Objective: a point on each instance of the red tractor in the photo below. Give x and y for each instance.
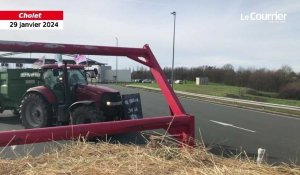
(65, 97)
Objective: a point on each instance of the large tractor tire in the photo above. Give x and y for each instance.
(35, 111)
(86, 114)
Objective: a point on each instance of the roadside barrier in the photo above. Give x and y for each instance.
(278, 108)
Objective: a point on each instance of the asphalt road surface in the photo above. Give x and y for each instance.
(226, 130)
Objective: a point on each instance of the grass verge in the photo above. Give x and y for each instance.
(221, 90)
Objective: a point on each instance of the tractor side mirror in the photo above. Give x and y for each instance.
(55, 72)
(96, 71)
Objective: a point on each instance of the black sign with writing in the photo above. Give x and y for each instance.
(132, 106)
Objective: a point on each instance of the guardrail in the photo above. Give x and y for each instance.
(277, 108)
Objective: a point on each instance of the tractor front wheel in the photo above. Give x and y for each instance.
(86, 114)
(35, 111)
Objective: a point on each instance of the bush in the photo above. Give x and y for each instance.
(291, 91)
(263, 80)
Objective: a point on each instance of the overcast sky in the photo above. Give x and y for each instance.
(207, 32)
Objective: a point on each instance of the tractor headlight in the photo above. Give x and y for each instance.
(109, 103)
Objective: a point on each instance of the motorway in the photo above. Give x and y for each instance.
(226, 130)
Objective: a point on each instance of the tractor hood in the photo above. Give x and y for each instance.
(98, 89)
(95, 93)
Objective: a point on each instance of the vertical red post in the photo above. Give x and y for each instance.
(183, 133)
(165, 87)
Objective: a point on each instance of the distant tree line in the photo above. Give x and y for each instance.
(284, 80)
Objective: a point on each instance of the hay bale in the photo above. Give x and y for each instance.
(106, 158)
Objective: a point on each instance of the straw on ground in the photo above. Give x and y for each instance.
(154, 158)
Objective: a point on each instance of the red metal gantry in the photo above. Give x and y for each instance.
(179, 124)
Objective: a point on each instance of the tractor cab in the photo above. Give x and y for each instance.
(55, 79)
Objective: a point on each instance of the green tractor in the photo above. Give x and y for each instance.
(57, 95)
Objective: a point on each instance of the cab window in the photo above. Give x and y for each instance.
(51, 80)
(76, 77)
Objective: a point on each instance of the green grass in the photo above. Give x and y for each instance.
(222, 90)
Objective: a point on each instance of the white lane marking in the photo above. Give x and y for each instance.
(231, 125)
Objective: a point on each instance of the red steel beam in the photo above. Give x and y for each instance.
(29, 136)
(165, 87)
(34, 47)
(180, 124)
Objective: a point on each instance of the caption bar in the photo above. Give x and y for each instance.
(31, 20)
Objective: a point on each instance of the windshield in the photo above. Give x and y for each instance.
(76, 77)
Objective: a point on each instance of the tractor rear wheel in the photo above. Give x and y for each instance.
(86, 114)
(35, 112)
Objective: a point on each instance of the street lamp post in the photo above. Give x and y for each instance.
(172, 73)
(117, 43)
